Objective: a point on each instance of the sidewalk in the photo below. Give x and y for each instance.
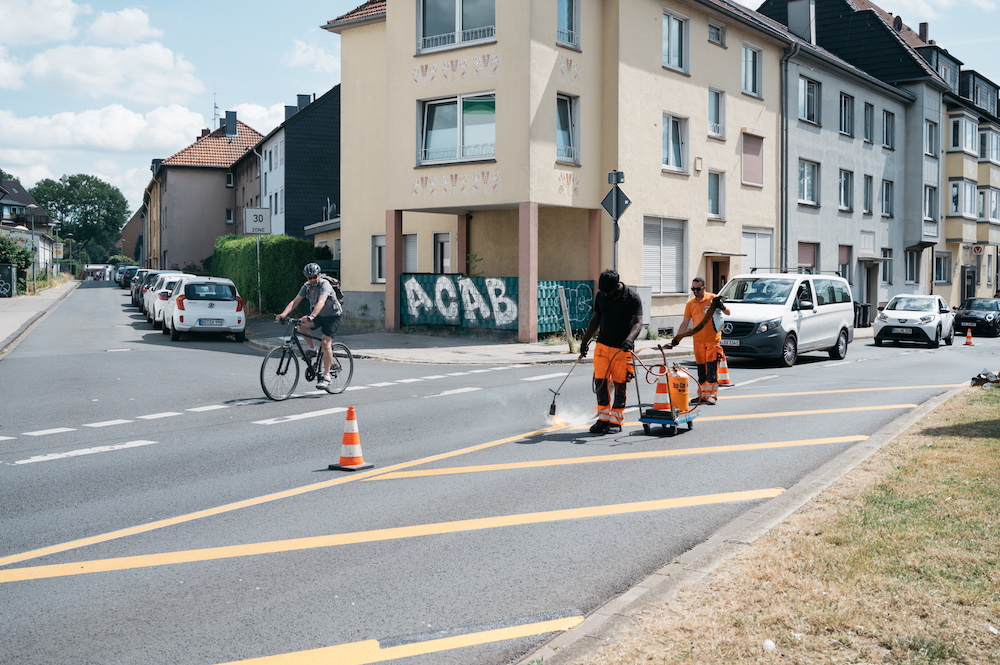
(19, 312)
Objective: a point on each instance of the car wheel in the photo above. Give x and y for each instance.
(163, 328)
(175, 335)
(878, 341)
(936, 342)
(241, 336)
(839, 350)
(789, 351)
(950, 339)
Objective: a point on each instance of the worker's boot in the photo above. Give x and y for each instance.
(600, 427)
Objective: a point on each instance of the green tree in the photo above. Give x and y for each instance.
(14, 253)
(8, 176)
(86, 206)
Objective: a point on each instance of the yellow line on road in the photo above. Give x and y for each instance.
(614, 458)
(369, 651)
(377, 535)
(844, 390)
(813, 412)
(142, 528)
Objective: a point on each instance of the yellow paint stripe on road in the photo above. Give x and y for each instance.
(614, 458)
(813, 412)
(369, 651)
(844, 390)
(394, 533)
(143, 528)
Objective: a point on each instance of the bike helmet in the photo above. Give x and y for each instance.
(311, 269)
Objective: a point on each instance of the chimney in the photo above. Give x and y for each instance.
(155, 165)
(802, 19)
(290, 111)
(303, 101)
(923, 32)
(230, 123)
(204, 133)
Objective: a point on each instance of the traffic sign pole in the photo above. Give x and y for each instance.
(615, 204)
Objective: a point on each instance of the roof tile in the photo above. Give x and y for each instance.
(216, 149)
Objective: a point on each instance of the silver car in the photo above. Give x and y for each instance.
(915, 318)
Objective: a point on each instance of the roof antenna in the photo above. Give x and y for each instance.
(215, 110)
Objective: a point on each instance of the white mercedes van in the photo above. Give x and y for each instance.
(780, 315)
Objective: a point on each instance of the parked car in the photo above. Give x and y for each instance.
(915, 318)
(137, 278)
(148, 282)
(153, 303)
(126, 279)
(119, 271)
(204, 304)
(780, 315)
(980, 315)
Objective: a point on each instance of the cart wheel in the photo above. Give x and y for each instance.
(645, 428)
(673, 430)
(690, 425)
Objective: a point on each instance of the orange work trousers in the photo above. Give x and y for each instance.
(612, 363)
(706, 355)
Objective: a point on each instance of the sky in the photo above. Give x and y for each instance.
(105, 87)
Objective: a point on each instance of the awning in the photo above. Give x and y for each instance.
(920, 246)
(709, 252)
(874, 259)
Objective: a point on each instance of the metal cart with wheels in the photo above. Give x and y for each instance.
(670, 419)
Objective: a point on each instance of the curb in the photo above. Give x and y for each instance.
(13, 339)
(606, 623)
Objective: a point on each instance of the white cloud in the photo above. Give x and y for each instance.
(10, 72)
(315, 58)
(127, 26)
(261, 118)
(39, 21)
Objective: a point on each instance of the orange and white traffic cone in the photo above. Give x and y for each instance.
(723, 372)
(661, 402)
(968, 337)
(350, 449)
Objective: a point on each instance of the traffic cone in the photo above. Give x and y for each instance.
(968, 337)
(723, 370)
(661, 402)
(350, 449)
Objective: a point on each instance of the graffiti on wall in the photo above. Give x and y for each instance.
(457, 300)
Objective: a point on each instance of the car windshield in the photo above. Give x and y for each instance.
(912, 304)
(980, 305)
(209, 292)
(760, 290)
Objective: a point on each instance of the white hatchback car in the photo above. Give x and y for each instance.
(204, 304)
(915, 318)
(157, 297)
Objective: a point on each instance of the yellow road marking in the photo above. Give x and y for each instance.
(394, 533)
(844, 390)
(614, 458)
(142, 528)
(369, 651)
(813, 412)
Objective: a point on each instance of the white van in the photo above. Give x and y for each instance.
(779, 315)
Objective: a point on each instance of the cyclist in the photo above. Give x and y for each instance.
(325, 313)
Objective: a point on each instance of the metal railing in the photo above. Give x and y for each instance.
(452, 152)
(567, 36)
(715, 128)
(450, 38)
(568, 152)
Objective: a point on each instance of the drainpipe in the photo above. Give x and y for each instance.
(783, 207)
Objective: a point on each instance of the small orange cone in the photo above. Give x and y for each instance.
(723, 370)
(661, 402)
(968, 337)
(350, 449)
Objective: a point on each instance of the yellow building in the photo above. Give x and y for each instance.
(481, 141)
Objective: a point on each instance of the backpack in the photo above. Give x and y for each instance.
(335, 283)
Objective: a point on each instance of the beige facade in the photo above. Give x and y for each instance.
(528, 205)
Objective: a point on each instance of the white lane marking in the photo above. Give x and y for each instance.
(56, 430)
(357, 387)
(108, 423)
(84, 451)
(434, 376)
(544, 376)
(117, 350)
(165, 414)
(7, 438)
(300, 416)
(383, 384)
(458, 374)
(211, 407)
(478, 371)
(760, 378)
(408, 380)
(457, 391)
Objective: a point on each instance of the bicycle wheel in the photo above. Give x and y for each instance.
(279, 373)
(341, 370)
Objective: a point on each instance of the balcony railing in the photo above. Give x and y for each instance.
(715, 129)
(451, 38)
(567, 36)
(568, 153)
(480, 150)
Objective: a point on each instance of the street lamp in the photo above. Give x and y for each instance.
(34, 284)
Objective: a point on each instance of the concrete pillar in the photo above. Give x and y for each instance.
(393, 266)
(461, 244)
(594, 246)
(527, 273)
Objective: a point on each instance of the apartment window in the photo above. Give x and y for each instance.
(930, 139)
(886, 272)
(378, 259)
(846, 114)
(963, 199)
(270, 160)
(887, 201)
(281, 200)
(675, 39)
(982, 198)
(410, 253)
(716, 113)
(989, 146)
(930, 204)
(912, 260)
(963, 135)
(459, 128)
(869, 128)
(229, 215)
(944, 69)
(844, 262)
(229, 179)
(808, 182)
(674, 143)
(942, 268)
(846, 201)
(868, 196)
(888, 130)
(566, 130)
(752, 71)
(808, 251)
(809, 100)
(445, 23)
(442, 253)
(567, 16)
(716, 195)
(336, 249)
(663, 255)
(753, 160)
(716, 33)
(994, 206)
(281, 151)
(756, 250)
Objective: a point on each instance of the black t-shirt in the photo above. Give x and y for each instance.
(616, 316)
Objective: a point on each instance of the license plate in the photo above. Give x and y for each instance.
(730, 342)
(209, 322)
(902, 331)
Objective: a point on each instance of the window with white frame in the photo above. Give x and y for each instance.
(912, 260)
(944, 69)
(888, 130)
(716, 194)
(809, 100)
(663, 255)
(886, 272)
(675, 142)
(756, 249)
(567, 18)
(229, 179)
(931, 145)
(989, 146)
(450, 23)
(751, 69)
(229, 215)
(994, 206)
(846, 114)
(566, 129)
(458, 128)
(888, 203)
(281, 199)
(717, 33)
(930, 203)
(869, 128)
(963, 135)
(846, 201)
(410, 253)
(963, 199)
(868, 196)
(675, 41)
(716, 113)
(442, 253)
(942, 267)
(989, 268)
(378, 259)
(808, 182)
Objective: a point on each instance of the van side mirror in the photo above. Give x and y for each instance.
(805, 304)
(881, 307)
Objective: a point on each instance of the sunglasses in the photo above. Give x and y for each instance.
(697, 288)
(312, 277)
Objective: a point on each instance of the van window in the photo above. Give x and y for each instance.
(831, 292)
(760, 290)
(804, 293)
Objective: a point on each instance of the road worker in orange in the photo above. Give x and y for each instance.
(618, 315)
(707, 341)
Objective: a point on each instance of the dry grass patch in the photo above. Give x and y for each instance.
(897, 562)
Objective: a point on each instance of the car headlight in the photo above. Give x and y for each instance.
(926, 319)
(882, 317)
(989, 317)
(769, 325)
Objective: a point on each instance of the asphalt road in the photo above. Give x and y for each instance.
(154, 508)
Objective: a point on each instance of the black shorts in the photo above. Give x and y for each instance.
(328, 324)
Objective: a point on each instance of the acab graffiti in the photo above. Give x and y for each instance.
(459, 300)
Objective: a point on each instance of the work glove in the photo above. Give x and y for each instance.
(628, 345)
(719, 302)
(584, 347)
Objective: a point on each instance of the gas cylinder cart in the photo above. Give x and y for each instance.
(671, 406)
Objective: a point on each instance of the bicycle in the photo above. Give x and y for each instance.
(279, 373)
